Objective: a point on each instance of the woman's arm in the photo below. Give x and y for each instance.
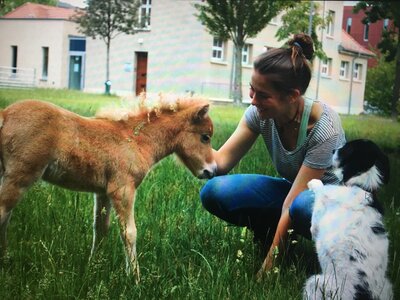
(234, 148)
(300, 184)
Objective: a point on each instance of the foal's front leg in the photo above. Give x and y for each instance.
(101, 223)
(123, 202)
(4, 219)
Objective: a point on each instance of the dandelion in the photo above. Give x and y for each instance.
(275, 252)
(239, 254)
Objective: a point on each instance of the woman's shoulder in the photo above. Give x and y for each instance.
(329, 122)
(326, 113)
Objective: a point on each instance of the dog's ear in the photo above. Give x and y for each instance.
(383, 164)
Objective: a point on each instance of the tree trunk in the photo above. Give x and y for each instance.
(237, 82)
(107, 83)
(396, 88)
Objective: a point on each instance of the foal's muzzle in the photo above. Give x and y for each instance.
(209, 172)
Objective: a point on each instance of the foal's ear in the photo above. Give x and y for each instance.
(201, 113)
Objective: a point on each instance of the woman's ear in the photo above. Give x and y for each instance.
(294, 95)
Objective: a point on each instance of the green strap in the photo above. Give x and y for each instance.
(304, 121)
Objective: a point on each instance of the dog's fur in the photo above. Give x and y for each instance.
(110, 158)
(348, 230)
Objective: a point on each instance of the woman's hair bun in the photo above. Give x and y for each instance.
(305, 43)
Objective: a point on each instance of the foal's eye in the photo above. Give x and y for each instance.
(205, 138)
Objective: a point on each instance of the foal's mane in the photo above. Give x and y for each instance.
(139, 107)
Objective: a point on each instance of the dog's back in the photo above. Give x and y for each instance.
(347, 227)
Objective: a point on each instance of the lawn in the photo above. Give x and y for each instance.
(184, 252)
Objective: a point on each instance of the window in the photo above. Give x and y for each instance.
(14, 56)
(385, 24)
(77, 44)
(348, 25)
(218, 49)
(344, 70)
(331, 23)
(246, 54)
(366, 32)
(145, 13)
(45, 62)
(326, 67)
(357, 74)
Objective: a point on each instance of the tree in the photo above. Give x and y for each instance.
(379, 87)
(9, 5)
(238, 20)
(106, 19)
(297, 19)
(379, 10)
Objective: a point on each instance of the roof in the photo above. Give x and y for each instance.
(351, 46)
(40, 11)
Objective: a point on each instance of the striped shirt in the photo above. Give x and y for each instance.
(315, 152)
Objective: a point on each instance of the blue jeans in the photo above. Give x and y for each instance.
(256, 201)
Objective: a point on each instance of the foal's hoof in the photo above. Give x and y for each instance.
(134, 271)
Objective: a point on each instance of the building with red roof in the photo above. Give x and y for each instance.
(367, 35)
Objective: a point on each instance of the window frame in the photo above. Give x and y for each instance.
(145, 12)
(348, 24)
(366, 32)
(14, 58)
(45, 63)
(218, 46)
(344, 70)
(246, 54)
(326, 64)
(386, 24)
(330, 28)
(357, 72)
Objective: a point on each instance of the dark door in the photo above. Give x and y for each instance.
(75, 72)
(141, 72)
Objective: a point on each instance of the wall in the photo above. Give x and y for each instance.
(30, 35)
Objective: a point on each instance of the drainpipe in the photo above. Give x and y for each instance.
(310, 18)
(351, 82)
(319, 60)
(233, 72)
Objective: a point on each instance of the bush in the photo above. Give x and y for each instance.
(379, 87)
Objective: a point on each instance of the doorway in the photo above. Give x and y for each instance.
(75, 72)
(141, 72)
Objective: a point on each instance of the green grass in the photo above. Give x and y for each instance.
(184, 252)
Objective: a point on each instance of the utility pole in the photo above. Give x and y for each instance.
(310, 18)
(319, 60)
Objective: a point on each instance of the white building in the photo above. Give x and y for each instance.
(175, 54)
(40, 46)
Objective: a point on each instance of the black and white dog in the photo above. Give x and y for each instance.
(347, 227)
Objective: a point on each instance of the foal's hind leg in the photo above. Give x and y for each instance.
(4, 219)
(10, 192)
(102, 207)
(14, 183)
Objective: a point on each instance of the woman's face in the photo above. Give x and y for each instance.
(268, 101)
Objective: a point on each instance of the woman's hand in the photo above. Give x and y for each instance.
(268, 263)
